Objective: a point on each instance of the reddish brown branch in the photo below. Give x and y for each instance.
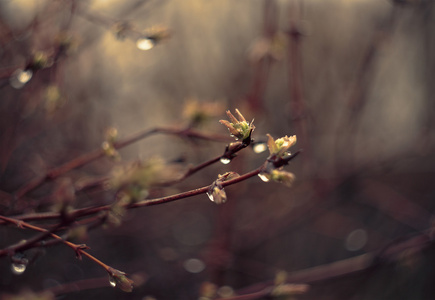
(98, 153)
(79, 249)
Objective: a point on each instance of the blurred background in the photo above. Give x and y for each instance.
(353, 79)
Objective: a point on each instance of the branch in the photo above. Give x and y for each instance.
(98, 153)
(78, 249)
(81, 212)
(389, 254)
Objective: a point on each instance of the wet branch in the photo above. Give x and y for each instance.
(99, 153)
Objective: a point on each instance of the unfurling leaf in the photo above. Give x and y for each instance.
(239, 128)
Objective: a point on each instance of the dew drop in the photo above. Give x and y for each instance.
(112, 281)
(356, 240)
(225, 160)
(20, 77)
(145, 44)
(264, 177)
(18, 268)
(210, 196)
(260, 147)
(194, 265)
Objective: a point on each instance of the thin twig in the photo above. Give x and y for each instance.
(390, 254)
(79, 249)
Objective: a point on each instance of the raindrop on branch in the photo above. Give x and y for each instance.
(112, 281)
(225, 161)
(20, 77)
(264, 177)
(18, 268)
(19, 263)
(210, 196)
(145, 43)
(356, 240)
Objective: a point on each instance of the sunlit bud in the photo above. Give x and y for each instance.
(110, 151)
(280, 146)
(111, 135)
(238, 128)
(20, 77)
(283, 177)
(41, 60)
(53, 99)
(216, 192)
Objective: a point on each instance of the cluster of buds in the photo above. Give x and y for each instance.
(133, 180)
(239, 128)
(108, 145)
(279, 156)
(53, 99)
(216, 192)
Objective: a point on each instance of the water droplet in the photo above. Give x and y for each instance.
(194, 265)
(210, 196)
(145, 43)
(18, 268)
(260, 147)
(225, 291)
(264, 177)
(20, 77)
(356, 240)
(225, 161)
(112, 281)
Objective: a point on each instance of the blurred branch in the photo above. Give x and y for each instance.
(295, 73)
(392, 253)
(395, 205)
(98, 153)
